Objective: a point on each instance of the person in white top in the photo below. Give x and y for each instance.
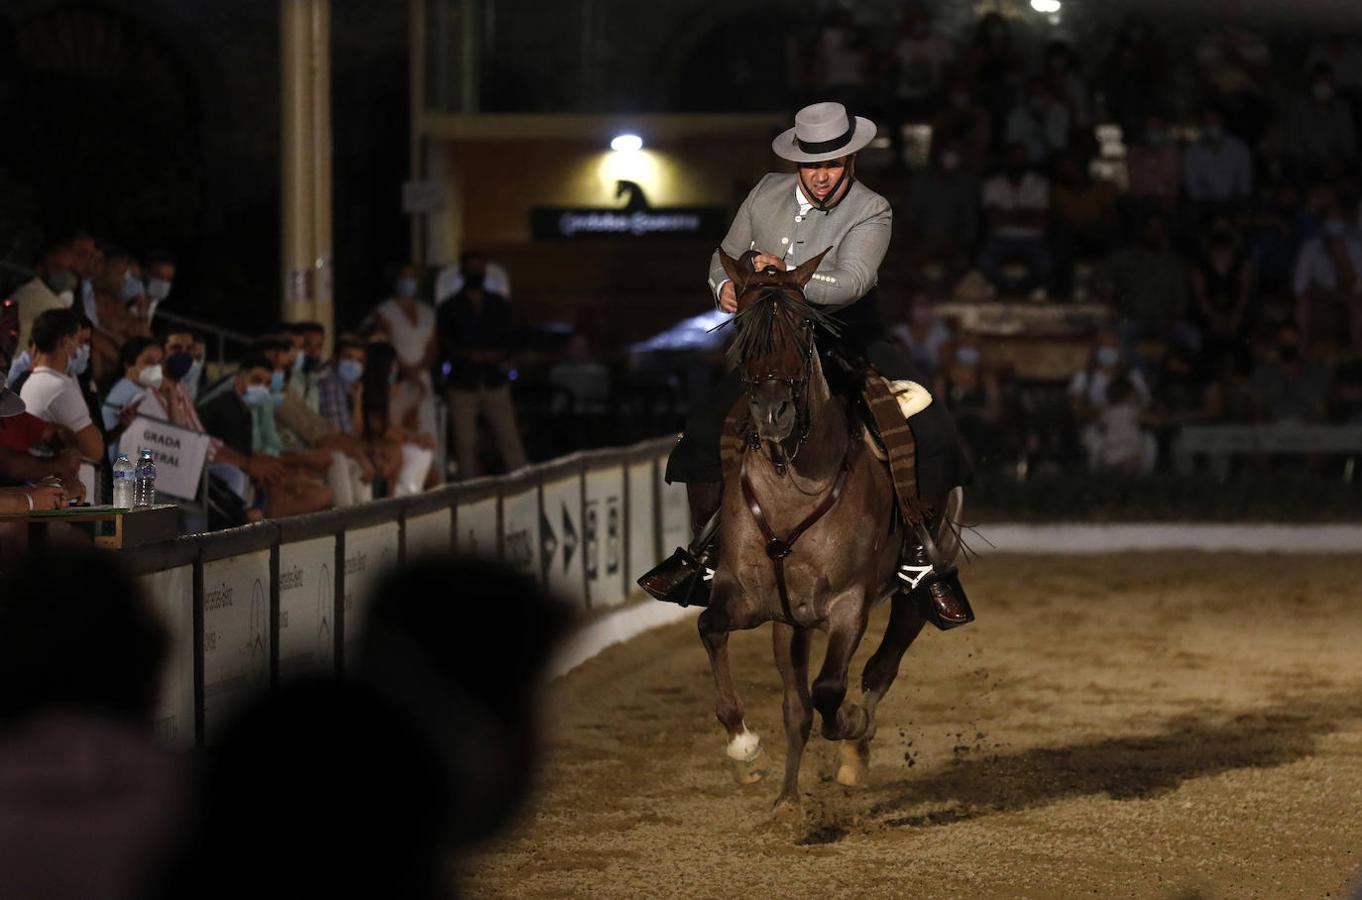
(410, 325)
(1017, 204)
(1329, 270)
(1108, 398)
(51, 392)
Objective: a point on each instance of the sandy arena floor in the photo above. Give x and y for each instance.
(1143, 726)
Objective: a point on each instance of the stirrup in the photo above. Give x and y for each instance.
(942, 601)
(681, 578)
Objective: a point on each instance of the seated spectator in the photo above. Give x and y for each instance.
(1106, 364)
(923, 335)
(1179, 398)
(972, 394)
(1329, 274)
(18, 432)
(1148, 282)
(1320, 135)
(21, 365)
(1115, 439)
(309, 339)
(89, 259)
(1235, 64)
(51, 391)
(402, 454)
(159, 272)
(52, 287)
(228, 414)
(475, 339)
(1017, 203)
(966, 124)
(136, 393)
(93, 802)
(338, 387)
(1275, 231)
(1219, 168)
(116, 322)
(1154, 164)
(942, 212)
(1290, 388)
(1229, 397)
(1063, 72)
(586, 378)
(1041, 123)
(1223, 301)
(1083, 210)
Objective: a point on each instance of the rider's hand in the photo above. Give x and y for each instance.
(728, 297)
(762, 260)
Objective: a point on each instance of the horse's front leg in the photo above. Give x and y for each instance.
(847, 617)
(791, 647)
(744, 747)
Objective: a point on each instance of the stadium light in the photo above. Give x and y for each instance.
(1045, 6)
(626, 143)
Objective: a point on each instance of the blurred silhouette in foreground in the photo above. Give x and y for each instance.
(88, 800)
(369, 785)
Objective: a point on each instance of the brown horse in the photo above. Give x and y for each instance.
(811, 539)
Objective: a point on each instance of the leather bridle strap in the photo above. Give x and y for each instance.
(777, 548)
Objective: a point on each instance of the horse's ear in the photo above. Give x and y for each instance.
(804, 271)
(736, 273)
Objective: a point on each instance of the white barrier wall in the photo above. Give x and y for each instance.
(477, 528)
(520, 542)
(428, 535)
(675, 514)
(561, 536)
(369, 552)
(167, 593)
(236, 636)
(307, 608)
(603, 535)
(643, 543)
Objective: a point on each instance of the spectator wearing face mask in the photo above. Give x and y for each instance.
(1223, 310)
(137, 392)
(1329, 274)
(310, 340)
(451, 278)
(117, 320)
(229, 413)
(1041, 122)
(89, 260)
(972, 394)
(339, 388)
(1017, 204)
(1218, 166)
(402, 454)
(942, 213)
(52, 287)
(1154, 164)
(159, 272)
(410, 325)
(51, 391)
(20, 433)
(1290, 388)
(1320, 133)
(1106, 364)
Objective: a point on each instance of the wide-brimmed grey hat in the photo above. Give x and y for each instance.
(823, 131)
(11, 404)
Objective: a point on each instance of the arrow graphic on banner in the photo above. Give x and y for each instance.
(569, 537)
(548, 540)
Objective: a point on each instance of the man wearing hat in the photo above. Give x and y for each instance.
(786, 220)
(49, 493)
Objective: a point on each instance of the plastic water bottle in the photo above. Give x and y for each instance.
(122, 482)
(144, 482)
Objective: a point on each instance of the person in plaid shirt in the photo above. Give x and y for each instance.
(338, 388)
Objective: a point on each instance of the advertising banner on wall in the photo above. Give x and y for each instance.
(520, 532)
(369, 552)
(307, 608)
(428, 535)
(179, 454)
(561, 538)
(236, 636)
(642, 528)
(477, 531)
(171, 595)
(675, 514)
(603, 536)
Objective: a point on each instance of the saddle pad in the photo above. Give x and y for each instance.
(897, 437)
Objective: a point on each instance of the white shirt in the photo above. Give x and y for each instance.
(55, 397)
(409, 340)
(1315, 268)
(1031, 193)
(1095, 383)
(1219, 170)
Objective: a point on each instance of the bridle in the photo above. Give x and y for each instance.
(799, 392)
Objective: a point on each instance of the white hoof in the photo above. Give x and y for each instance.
(749, 760)
(853, 768)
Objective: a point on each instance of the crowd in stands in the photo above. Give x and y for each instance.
(1214, 204)
(291, 429)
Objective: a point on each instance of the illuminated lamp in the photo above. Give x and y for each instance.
(626, 143)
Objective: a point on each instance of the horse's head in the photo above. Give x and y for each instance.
(774, 344)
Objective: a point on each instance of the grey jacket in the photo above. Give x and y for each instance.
(857, 230)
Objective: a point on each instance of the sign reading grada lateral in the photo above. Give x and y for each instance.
(637, 219)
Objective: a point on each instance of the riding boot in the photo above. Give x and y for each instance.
(934, 585)
(684, 577)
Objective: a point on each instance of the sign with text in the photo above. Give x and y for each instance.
(642, 533)
(562, 538)
(604, 536)
(179, 454)
(477, 529)
(171, 597)
(307, 608)
(369, 552)
(236, 636)
(636, 219)
(428, 535)
(520, 532)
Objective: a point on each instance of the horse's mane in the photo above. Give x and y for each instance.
(773, 322)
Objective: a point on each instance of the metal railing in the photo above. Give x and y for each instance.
(252, 607)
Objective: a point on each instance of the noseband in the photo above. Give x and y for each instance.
(799, 390)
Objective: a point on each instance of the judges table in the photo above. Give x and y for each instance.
(110, 526)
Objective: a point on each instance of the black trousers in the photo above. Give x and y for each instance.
(941, 463)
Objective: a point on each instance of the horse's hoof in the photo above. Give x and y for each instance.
(853, 768)
(788, 809)
(752, 770)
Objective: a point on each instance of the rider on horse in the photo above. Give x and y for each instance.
(786, 220)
